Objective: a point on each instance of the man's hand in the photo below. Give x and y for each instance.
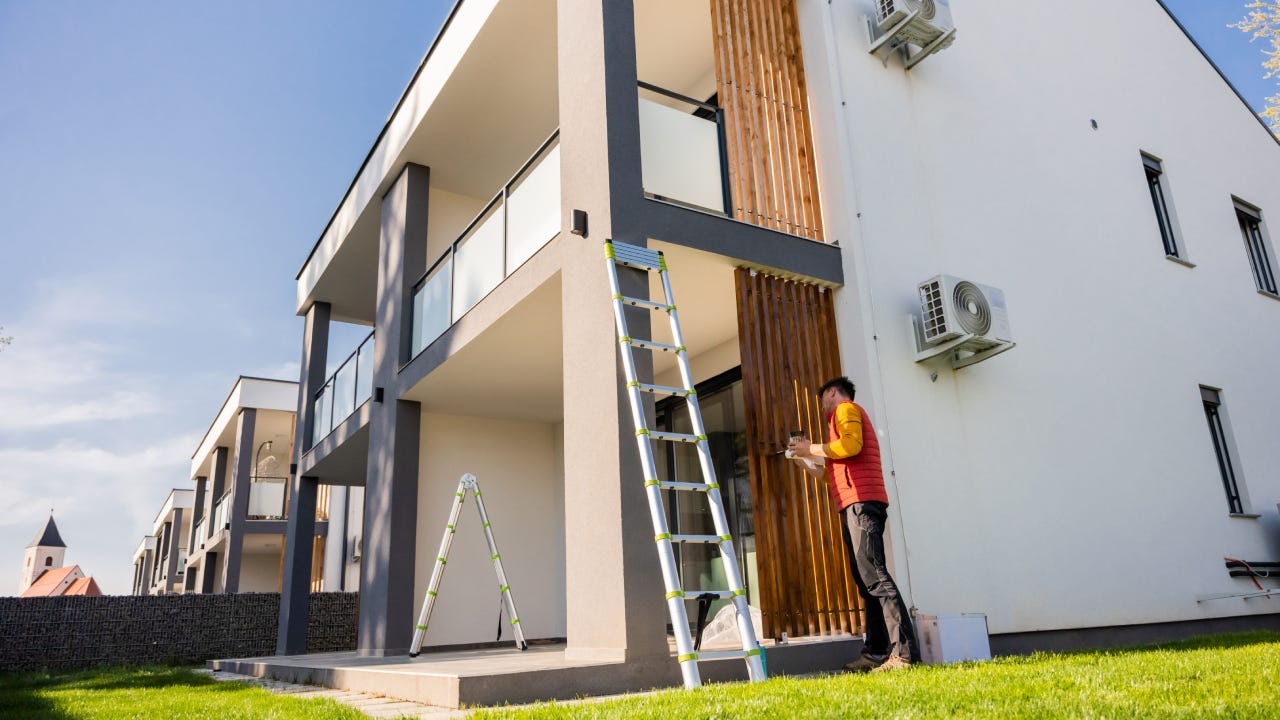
(800, 448)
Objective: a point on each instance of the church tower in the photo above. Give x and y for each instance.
(46, 552)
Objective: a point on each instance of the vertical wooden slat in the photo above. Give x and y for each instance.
(786, 332)
(761, 85)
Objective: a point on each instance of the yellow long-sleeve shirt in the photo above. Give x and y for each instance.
(849, 426)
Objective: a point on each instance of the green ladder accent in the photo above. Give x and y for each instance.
(650, 261)
(465, 483)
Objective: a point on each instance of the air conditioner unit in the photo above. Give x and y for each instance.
(961, 316)
(925, 24)
(951, 307)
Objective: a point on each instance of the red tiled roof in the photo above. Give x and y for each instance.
(47, 584)
(84, 586)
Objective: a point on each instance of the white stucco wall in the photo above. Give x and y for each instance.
(260, 572)
(1070, 482)
(521, 477)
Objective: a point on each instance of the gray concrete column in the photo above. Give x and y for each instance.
(614, 592)
(295, 586)
(175, 538)
(391, 480)
(137, 567)
(241, 476)
(208, 572)
(295, 589)
(164, 562)
(148, 565)
(315, 354)
(197, 514)
(219, 476)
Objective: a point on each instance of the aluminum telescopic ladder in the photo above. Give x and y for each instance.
(467, 482)
(688, 658)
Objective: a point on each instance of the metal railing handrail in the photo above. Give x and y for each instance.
(329, 380)
(501, 194)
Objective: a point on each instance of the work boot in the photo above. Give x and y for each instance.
(895, 662)
(865, 663)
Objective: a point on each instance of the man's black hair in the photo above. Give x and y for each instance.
(842, 384)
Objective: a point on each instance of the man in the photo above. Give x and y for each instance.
(856, 480)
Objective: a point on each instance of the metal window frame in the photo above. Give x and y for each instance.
(1252, 230)
(1159, 199)
(1212, 401)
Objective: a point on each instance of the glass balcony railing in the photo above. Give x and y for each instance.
(266, 498)
(221, 511)
(346, 390)
(682, 150)
(517, 222)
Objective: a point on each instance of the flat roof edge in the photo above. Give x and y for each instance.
(444, 27)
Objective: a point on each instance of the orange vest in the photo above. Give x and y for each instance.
(857, 478)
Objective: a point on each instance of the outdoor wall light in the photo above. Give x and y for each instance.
(579, 223)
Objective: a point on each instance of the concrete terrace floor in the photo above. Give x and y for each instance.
(443, 681)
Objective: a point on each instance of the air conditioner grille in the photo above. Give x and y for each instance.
(935, 315)
(884, 7)
(972, 311)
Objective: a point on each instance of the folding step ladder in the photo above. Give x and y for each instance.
(650, 260)
(465, 483)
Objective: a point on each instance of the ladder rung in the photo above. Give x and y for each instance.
(701, 487)
(722, 655)
(644, 303)
(693, 594)
(672, 437)
(695, 538)
(662, 390)
(636, 256)
(652, 345)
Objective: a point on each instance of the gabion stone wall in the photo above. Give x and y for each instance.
(62, 633)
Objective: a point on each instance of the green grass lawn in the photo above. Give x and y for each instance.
(1230, 676)
(153, 692)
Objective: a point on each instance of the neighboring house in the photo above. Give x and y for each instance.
(239, 512)
(160, 562)
(43, 574)
(144, 560)
(801, 188)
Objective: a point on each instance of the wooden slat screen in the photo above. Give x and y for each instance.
(317, 564)
(787, 337)
(761, 86)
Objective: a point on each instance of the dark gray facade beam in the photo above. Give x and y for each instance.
(391, 485)
(295, 586)
(219, 475)
(241, 478)
(197, 514)
(208, 572)
(175, 537)
(315, 353)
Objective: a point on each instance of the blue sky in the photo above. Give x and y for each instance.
(164, 170)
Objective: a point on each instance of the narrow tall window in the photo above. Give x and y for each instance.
(1217, 430)
(1255, 242)
(1156, 184)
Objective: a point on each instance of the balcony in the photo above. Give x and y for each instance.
(522, 217)
(344, 391)
(267, 498)
(197, 535)
(682, 150)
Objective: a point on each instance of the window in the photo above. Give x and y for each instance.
(1214, 413)
(1255, 243)
(1164, 218)
(48, 561)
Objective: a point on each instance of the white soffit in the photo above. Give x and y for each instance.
(444, 57)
